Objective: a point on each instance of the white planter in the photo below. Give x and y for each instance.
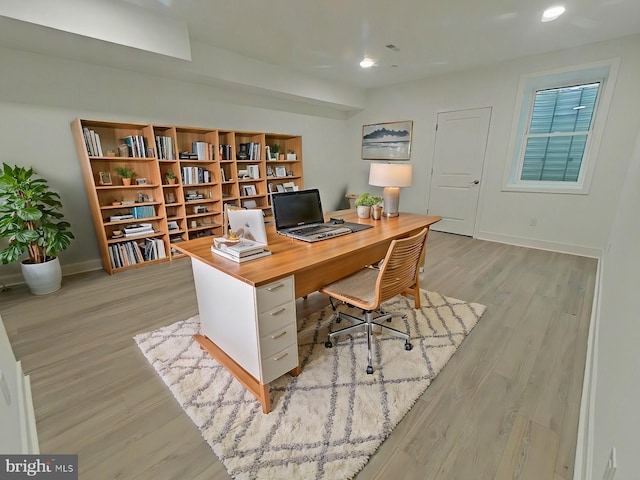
(43, 278)
(363, 211)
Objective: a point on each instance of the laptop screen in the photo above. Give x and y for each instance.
(292, 209)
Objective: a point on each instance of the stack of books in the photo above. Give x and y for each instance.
(138, 229)
(240, 252)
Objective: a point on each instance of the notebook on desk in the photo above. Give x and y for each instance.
(299, 215)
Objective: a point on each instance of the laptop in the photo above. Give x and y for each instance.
(248, 224)
(299, 215)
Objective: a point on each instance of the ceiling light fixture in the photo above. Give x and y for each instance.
(552, 13)
(367, 63)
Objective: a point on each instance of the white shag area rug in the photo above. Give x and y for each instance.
(328, 421)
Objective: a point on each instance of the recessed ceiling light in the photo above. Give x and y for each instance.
(552, 13)
(367, 63)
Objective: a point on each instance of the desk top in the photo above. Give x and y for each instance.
(291, 256)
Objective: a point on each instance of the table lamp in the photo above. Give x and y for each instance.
(391, 176)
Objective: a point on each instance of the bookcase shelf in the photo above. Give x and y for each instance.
(211, 167)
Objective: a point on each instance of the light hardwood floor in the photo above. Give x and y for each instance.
(506, 405)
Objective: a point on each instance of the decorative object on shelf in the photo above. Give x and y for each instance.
(110, 153)
(387, 141)
(391, 176)
(141, 181)
(104, 178)
(249, 190)
(281, 171)
(31, 220)
(291, 155)
(170, 198)
(143, 198)
(126, 173)
(364, 203)
(171, 177)
(123, 150)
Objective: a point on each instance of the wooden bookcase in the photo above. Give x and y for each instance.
(211, 168)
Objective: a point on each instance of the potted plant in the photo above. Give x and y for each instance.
(30, 219)
(126, 173)
(364, 202)
(171, 177)
(275, 150)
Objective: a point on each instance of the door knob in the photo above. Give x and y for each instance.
(475, 182)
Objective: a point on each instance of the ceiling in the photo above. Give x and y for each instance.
(327, 39)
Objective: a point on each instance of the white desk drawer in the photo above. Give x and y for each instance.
(275, 294)
(278, 340)
(277, 317)
(276, 365)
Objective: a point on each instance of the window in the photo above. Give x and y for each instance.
(557, 130)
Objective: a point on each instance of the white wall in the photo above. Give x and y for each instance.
(565, 222)
(40, 96)
(617, 421)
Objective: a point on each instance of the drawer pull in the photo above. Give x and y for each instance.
(275, 287)
(280, 310)
(280, 357)
(273, 337)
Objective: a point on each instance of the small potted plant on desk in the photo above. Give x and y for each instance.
(364, 202)
(126, 173)
(30, 219)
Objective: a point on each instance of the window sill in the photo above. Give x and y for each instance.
(546, 188)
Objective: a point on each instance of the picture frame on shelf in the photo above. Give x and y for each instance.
(253, 171)
(280, 187)
(172, 225)
(141, 181)
(249, 190)
(104, 178)
(281, 171)
(249, 204)
(387, 141)
(290, 187)
(170, 198)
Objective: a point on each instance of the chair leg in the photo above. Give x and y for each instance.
(358, 324)
(369, 326)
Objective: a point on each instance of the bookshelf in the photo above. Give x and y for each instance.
(210, 168)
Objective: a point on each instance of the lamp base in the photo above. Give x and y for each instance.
(391, 199)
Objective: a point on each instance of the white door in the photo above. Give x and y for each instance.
(461, 142)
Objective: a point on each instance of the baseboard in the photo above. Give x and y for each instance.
(583, 464)
(67, 269)
(540, 244)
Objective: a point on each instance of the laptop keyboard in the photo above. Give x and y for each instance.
(309, 230)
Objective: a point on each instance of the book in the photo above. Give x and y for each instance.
(242, 249)
(222, 253)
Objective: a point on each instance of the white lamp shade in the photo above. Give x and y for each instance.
(390, 175)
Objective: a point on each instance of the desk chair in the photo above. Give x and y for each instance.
(369, 287)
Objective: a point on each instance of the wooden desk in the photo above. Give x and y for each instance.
(247, 311)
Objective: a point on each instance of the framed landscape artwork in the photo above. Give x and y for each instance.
(387, 141)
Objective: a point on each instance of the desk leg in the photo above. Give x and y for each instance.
(259, 390)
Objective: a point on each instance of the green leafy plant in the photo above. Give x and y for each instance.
(125, 172)
(275, 148)
(30, 217)
(170, 175)
(368, 200)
